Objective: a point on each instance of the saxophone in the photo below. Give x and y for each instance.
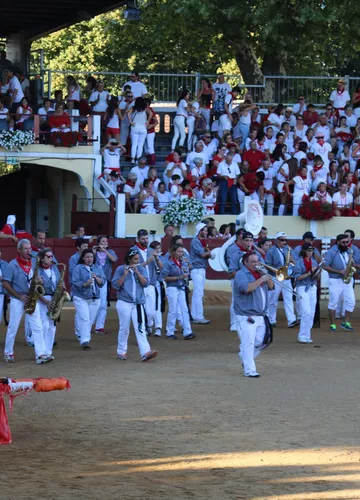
(60, 296)
(284, 270)
(349, 270)
(35, 291)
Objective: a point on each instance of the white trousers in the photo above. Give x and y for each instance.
(86, 313)
(49, 328)
(197, 309)
(2, 296)
(338, 289)
(251, 337)
(287, 294)
(205, 112)
(306, 309)
(241, 198)
(16, 313)
(158, 313)
(233, 319)
(126, 312)
(269, 201)
(297, 200)
(176, 298)
(179, 131)
(224, 124)
(150, 141)
(124, 131)
(101, 315)
(281, 210)
(190, 121)
(138, 137)
(150, 304)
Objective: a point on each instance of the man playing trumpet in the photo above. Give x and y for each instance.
(250, 291)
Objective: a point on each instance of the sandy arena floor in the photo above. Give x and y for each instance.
(188, 424)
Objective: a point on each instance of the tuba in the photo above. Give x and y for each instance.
(60, 296)
(349, 270)
(35, 291)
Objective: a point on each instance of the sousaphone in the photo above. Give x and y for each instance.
(252, 219)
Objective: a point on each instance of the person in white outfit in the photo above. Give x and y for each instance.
(199, 256)
(182, 112)
(130, 281)
(16, 282)
(250, 291)
(176, 276)
(226, 119)
(336, 264)
(306, 287)
(87, 279)
(276, 257)
(301, 188)
(269, 186)
(139, 117)
(104, 258)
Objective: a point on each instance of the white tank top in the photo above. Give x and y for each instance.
(114, 121)
(111, 158)
(139, 118)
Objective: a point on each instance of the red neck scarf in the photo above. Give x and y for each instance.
(141, 247)
(44, 266)
(321, 142)
(339, 92)
(177, 262)
(24, 264)
(302, 176)
(317, 168)
(256, 274)
(203, 242)
(130, 183)
(308, 265)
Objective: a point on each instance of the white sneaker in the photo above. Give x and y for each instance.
(252, 375)
(233, 328)
(202, 321)
(44, 359)
(157, 332)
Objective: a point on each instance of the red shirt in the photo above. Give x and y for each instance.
(255, 159)
(151, 128)
(56, 121)
(310, 119)
(251, 182)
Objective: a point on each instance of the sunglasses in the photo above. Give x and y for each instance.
(207, 137)
(301, 99)
(284, 241)
(49, 256)
(299, 120)
(130, 96)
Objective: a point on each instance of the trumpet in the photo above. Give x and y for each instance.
(262, 268)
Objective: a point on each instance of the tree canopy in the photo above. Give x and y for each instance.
(263, 37)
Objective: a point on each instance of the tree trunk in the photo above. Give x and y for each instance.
(248, 64)
(276, 89)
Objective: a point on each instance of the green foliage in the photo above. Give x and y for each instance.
(263, 36)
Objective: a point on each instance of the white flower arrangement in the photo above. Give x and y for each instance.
(183, 211)
(10, 139)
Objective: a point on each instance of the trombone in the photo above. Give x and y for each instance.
(279, 275)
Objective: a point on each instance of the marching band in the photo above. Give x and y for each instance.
(34, 284)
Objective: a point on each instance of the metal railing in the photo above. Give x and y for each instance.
(165, 87)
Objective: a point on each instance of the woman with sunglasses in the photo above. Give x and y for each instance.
(306, 286)
(130, 280)
(50, 276)
(87, 279)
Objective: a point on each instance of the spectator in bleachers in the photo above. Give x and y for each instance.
(175, 167)
(309, 138)
(356, 98)
(141, 170)
(210, 145)
(340, 97)
(225, 120)
(4, 62)
(150, 136)
(132, 190)
(111, 153)
(333, 178)
(183, 108)
(73, 93)
(164, 197)
(300, 107)
(197, 153)
(147, 198)
(342, 201)
(321, 194)
(343, 134)
(255, 118)
(137, 87)
(91, 83)
(125, 106)
(250, 185)
(300, 128)
(321, 147)
(206, 96)
(221, 89)
(6, 121)
(319, 172)
(218, 157)
(276, 118)
(310, 115)
(59, 121)
(198, 172)
(152, 175)
(254, 157)
(58, 98)
(245, 121)
(24, 116)
(228, 171)
(25, 85)
(289, 117)
(99, 100)
(269, 186)
(15, 91)
(351, 118)
(112, 118)
(45, 110)
(207, 194)
(176, 188)
(331, 116)
(301, 189)
(139, 117)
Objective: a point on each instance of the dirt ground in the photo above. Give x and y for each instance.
(188, 424)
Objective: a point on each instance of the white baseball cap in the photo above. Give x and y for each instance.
(199, 227)
(281, 234)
